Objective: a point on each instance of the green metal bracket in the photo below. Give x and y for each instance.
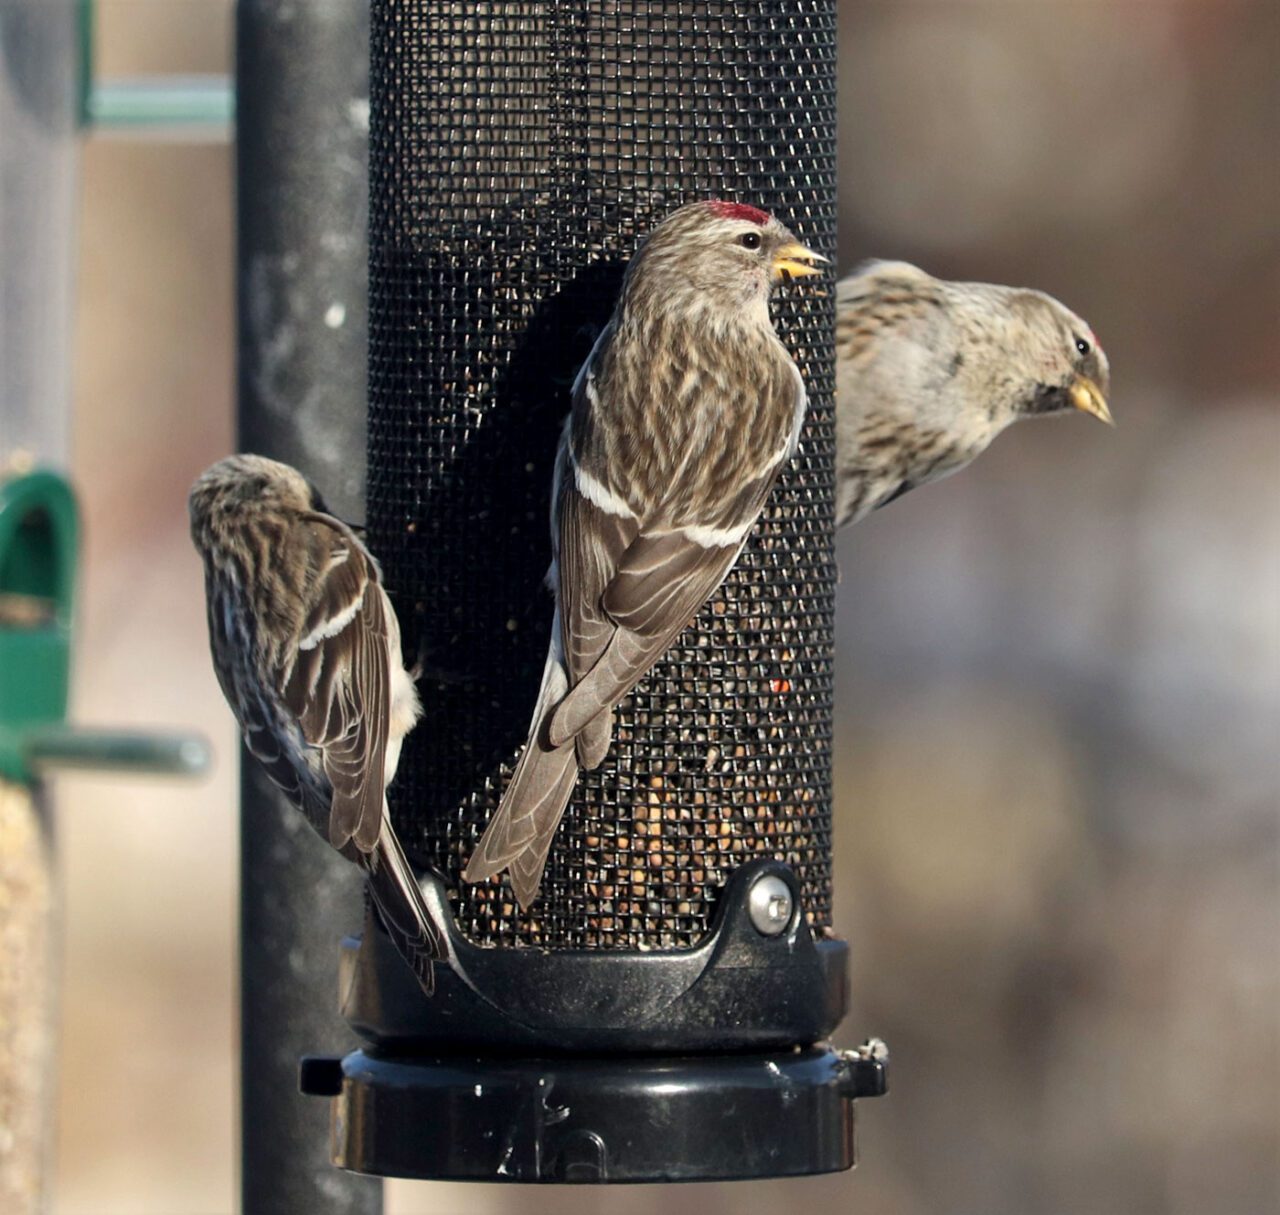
(52, 748)
(39, 536)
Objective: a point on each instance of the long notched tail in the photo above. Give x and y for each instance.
(519, 835)
(398, 898)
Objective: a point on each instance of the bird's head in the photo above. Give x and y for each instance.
(1067, 368)
(228, 486)
(719, 257)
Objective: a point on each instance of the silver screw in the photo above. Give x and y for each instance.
(769, 905)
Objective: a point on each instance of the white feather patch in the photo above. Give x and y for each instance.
(597, 494)
(718, 537)
(331, 627)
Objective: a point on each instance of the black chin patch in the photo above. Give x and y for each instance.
(1047, 398)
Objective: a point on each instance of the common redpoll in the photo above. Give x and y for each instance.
(306, 647)
(683, 414)
(929, 372)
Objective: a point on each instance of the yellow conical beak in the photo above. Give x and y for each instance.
(1087, 397)
(795, 260)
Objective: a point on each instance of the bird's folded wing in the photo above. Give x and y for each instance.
(339, 684)
(536, 795)
(394, 889)
(660, 582)
(592, 543)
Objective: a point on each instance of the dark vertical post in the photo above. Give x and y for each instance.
(302, 130)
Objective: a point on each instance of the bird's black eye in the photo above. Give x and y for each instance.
(750, 240)
(1083, 346)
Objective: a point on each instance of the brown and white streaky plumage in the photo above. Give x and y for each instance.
(306, 647)
(928, 372)
(682, 417)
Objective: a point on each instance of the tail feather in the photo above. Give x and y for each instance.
(526, 869)
(520, 832)
(612, 677)
(401, 907)
(593, 742)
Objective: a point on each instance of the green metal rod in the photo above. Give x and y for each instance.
(52, 748)
(154, 105)
(161, 103)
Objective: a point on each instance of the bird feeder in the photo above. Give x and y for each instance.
(661, 1011)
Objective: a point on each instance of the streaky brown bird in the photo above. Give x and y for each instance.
(306, 648)
(928, 372)
(682, 416)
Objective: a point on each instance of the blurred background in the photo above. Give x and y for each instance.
(1059, 672)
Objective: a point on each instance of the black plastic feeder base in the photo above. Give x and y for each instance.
(596, 1120)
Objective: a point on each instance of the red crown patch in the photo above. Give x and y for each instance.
(732, 210)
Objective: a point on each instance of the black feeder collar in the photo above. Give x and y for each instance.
(583, 1066)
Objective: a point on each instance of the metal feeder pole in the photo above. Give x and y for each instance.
(302, 127)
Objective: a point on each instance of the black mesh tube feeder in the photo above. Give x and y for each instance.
(661, 1011)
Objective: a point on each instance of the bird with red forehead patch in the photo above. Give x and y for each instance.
(682, 416)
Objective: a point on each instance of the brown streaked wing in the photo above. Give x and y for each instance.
(592, 543)
(339, 690)
(665, 576)
(660, 583)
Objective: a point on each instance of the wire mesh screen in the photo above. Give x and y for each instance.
(517, 153)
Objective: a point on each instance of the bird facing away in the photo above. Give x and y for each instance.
(306, 647)
(929, 372)
(682, 416)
